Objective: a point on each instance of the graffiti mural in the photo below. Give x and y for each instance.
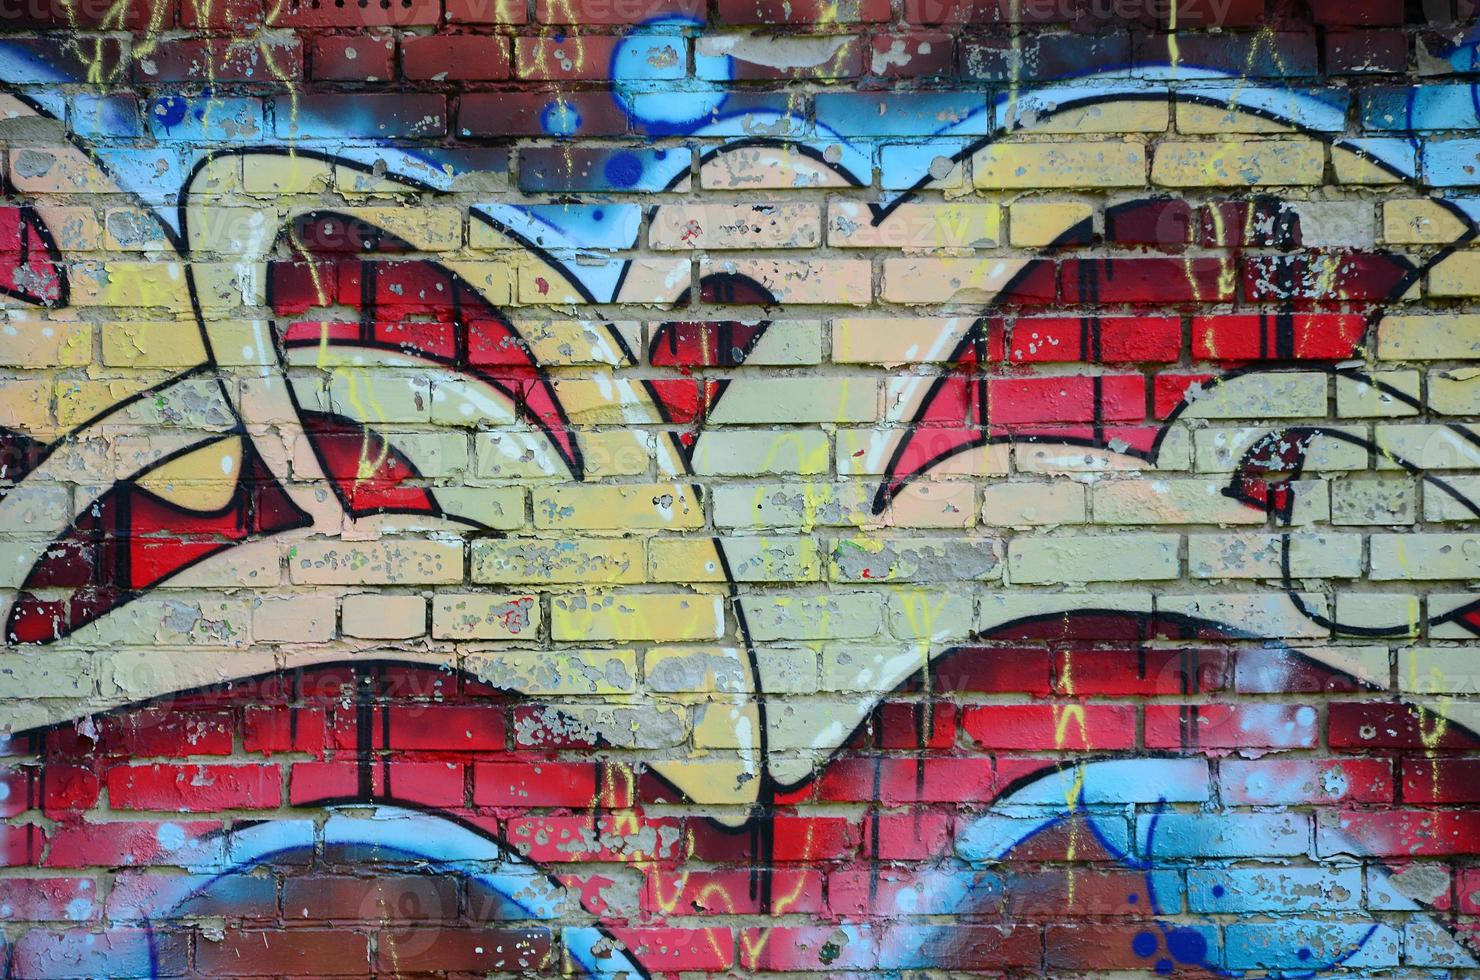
(828, 489)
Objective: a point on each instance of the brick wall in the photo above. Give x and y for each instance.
(853, 488)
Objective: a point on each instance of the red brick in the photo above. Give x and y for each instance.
(1442, 780)
(1146, 281)
(1369, 13)
(896, 780)
(804, 12)
(51, 899)
(1361, 725)
(732, 892)
(917, 54)
(1064, 398)
(916, 725)
(1399, 833)
(1139, 672)
(1093, 946)
(536, 784)
(285, 953)
(223, 60)
(354, 58)
(1051, 727)
(915, 836)
(121, 843)
(1231, 726)
(540, 113)
(327, 13)
(486, 11)
(221, 15)
(455, 58)
(270, 728)
(67, 790)
(676, 950)
(386, 897)
(1289, 782)
(584, 57)
(194, 789)
(1366, 52)
(813, 838)
(615, 13)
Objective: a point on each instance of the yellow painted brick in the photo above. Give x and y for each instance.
(933, 503)
(1195, 118)
(838, 615)
(914, 226)
(377, 616)
(1264, 614)
(647, 280)
(761, 452)
(800, 504)
(947, 280)
(295, 174)
(930, 615)
(1357, 501)
(1369, 397)
(1139, 116)
(385, 562)
(1033, 504)
(1397, 613)
(622, 507)
(504, 454)
(736, 226)
(1294, 394)
(1038, 224)
(697, 670)
(758, 559)
(1097, 163)
(1220, 450)
(532, 561)
(1092, 558)
(1419, 337)
(40, 343)
(873, 558)
(25, 404)
(152, 344)
(1244, 556)
(1425, 557)
(1419, 222)
(767, 168)
(842, 281)
(1455, 392)
(484, 616)
(1429, 447)
(1457, 275)
(630, 616)
(1238, 163)
(796, 401)
(1353, 168)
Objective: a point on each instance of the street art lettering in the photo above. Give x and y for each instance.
(850, 500)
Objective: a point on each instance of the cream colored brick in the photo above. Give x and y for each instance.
(933, 503)
(1400, 613)
(496, 508)
(1238, 163)
(40, 343)
(485, 616)
(1429, 447)
(506, 455)
(1033, 504)
(1419, 222)
(1089, 558)
(736, 226)
(1173, 453)
(1439, 505)
(696, 670)
(871, 557)
(1439, 670)
(1168, 501)
(632, 725)
(1293, 394)
(1429, 337)
(305, 618)
(557, 673)
(1265, 614)
(1353, 168)
(788, 343)
(436, 454)
(25, 675)
(947, 280)
(837, 615)
(1356, 398)
(854, 667)
(400, 398)
(802, 504)
(296, 174)
(668, 506)
(31, 506)
(767, 168)
(1195, 118)
(897, 340)
(564, 560)
(1241, 556)
(1444, 603)
(1425, 557)
(1038, 224)
(1456, 276)
(1091, 163)
(761, 452)
(166, 621)
(1097, 117)
(1455, 392)
(1357, 501)
(384, 562)
(868, 452)
(258, 566)
(933, 616)
(797, 401)
(914, 226)
(631, 616)
(795, 281)
(761, 559)
(378, 616)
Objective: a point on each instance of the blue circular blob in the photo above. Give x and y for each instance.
(560, 118)
(598, 214)
(1187, 945)
(623, 170)
(1164, 967)
(1144, 944)
(170, 110)
(660, 154)
(1133, 898)
(1219, 891)
(1304, 954)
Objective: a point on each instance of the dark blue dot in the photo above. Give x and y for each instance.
(1144, 944)
(623, 170)
(559, 37)
(1304, 954)
(1219, 891)
(598, 214)
(560, 118)
(1164, 967)
(660, 154)
(1187, 945)
(1133, 898)
(170, 110)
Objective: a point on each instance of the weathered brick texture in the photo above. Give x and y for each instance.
(652, 488)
